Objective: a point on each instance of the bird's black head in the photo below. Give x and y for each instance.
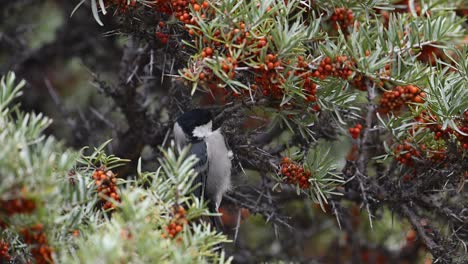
(188, 121)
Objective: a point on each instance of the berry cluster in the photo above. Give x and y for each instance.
(295, 173)
(434, 148)
(36, 238)
(437, 155)
(4, 247)
(394, 100)
(272, 75)
(342, 18)
(177, 223)
(308, 85)
(339, 67)
(180, 9)
(106, 183)
(229, 65)
(405, 152)
(359, 81)
(270, 72)
(163, 37)
(429, 121)
(19, 205)
(268, 79)
(342, 67)
(355, 131)
(237, 46)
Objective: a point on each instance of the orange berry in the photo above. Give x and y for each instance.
(411, 235)
(262, 43)
(270, 57)
(413, 89)
(418, 100)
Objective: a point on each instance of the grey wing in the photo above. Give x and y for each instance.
(199, 149)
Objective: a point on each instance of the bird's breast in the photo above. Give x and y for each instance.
(219, 168)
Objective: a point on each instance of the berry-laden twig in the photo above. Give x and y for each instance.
(106, 182)
(405, 152)
(19, 205)
(394, 100)
(40, 249)
(180, 9)
(430, 121)
(177, 223)
(434, 148)
(294, 173)
(340, 67)
(355, 131)
(4, 248)
(342, 18)
(163, 37)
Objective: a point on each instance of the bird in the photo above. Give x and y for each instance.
(195, 128)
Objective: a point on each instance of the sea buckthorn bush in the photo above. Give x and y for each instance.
(347, 121)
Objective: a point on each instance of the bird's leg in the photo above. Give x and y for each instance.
(215, 219)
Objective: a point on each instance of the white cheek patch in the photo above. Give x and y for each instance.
(203, 130)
